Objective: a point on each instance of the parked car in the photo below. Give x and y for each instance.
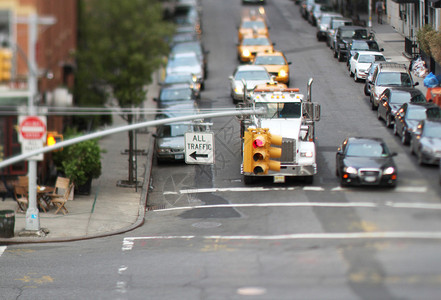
(182, 78)
(365, 161)
(360, 62)
(369, 74)
(195, 47)
(344, 36)
(275, 63)
(388, 75)
(425, 142)
(316, 11)
(251, 75)
(335, 23)
(408, 117)
(187, 62)
(250, 45)
(362, 45)
(393, 98)
(175, 94)
(323, 24)
(170, 141)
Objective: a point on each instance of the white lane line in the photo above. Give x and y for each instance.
(404, 189)
(414, 205)
(288, 204)
(235, 189)
(2, 249)
(434, 235)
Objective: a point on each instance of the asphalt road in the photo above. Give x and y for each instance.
(220, 239)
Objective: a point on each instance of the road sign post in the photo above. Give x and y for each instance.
(199, 148)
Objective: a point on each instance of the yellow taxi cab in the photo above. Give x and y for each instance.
(252, 44)
(252, 25)
(271, 85)
(275, 63)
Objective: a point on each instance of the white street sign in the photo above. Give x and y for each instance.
(199, 148)
(32, 134)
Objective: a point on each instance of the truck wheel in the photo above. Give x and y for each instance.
(248, 179)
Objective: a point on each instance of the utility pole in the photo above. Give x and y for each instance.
(32, 215)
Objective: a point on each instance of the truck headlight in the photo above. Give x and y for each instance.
(306, 154)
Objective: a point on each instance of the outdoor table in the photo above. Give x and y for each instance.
(41, 193)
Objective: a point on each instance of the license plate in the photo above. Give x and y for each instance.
(370, 179)
(279, 179)
(179, 156)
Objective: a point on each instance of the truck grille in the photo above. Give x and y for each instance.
(288, 151)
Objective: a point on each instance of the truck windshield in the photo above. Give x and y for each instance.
(280, 110)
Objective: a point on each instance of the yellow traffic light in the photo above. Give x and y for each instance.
(52, 138)
(5, 64)
(258, 151)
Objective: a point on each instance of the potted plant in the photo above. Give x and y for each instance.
(81, 163)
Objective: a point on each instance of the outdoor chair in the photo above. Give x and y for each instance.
(60, 200)
(21, 196)
(61, 185)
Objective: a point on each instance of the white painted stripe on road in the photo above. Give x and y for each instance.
(404, 189)
(283, 204)
(2, 249)
(414, 205)
(234, 189)
(434, 235)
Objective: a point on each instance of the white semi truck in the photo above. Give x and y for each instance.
(288, 114)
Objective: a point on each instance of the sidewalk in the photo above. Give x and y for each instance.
(109, 209)
(393, 44)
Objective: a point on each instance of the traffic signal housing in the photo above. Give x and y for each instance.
(53, 138)
(5, 64)
(258, 151)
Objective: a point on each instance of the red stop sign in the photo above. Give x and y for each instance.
(32, 128)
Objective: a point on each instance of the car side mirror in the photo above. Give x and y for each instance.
(339, 151)
(154, 135)
(416, 83)
(230, 77)
(381, 49)
(155, 99)
(394, 154)
(289, 63)
(274, 44)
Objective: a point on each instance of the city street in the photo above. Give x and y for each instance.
(207, 235)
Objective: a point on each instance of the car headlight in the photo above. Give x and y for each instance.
(306, 154)
(350, 170)
(246, 53)
(238, 89)
(389, 171)
(282, 73)
(164, 150)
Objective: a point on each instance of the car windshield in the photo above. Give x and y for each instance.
(253, 24)
(252, 75)
(355, 34)
(416, 114)
(280, 110)
(394, 78)
(399, 97)
(359, 46)
(270, 60)
(338, 23)
(173, 130)
(187, 47)
(369, 58)
(432, 130)
(367, 150)
(262, 41)
(176, 94)
(183, 61)
(178, 78)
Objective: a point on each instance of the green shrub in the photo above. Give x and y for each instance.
(423, 37)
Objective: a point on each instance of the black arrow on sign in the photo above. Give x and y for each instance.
(195, 156)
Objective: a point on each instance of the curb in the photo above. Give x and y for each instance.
(139, 221)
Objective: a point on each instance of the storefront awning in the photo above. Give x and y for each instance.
(406, 1)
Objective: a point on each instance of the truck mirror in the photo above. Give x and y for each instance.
(317, 111)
